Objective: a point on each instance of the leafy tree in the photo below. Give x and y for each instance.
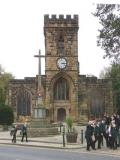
(6, 115)
(109, 34)
(4, 79)
(6, 112)
(113, 73)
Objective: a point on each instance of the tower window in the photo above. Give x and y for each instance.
(61, 45)
(61, 89)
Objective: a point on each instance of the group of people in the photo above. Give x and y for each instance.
(107, 129)
(23, 132)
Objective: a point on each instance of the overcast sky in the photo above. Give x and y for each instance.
(21, 34)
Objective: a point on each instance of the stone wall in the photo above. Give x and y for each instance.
(91, 89)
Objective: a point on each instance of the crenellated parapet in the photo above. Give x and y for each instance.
(94, 80)
(60, 21)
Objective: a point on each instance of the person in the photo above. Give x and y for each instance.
(88, 137)
(103, 131)
(114, 134)
(109, 134)
(98, 134)
(119, 137)
(13, 133)
(24, 132)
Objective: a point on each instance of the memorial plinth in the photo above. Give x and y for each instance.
(39, 125)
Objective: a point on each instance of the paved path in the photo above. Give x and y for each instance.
(50, 142)
(54, 142)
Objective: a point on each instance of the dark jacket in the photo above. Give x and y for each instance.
(88, 132)
(114, 132)
(97, 131)
(24, 129)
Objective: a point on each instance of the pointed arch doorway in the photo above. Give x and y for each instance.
(61, 114)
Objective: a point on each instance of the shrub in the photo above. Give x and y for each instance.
(6, 115)
(69, 123)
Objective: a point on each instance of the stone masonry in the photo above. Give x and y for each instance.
(87, 97)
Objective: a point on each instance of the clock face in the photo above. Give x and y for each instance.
(61, 62)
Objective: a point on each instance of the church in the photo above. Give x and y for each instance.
(64, 90)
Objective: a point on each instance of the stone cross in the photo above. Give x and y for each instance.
(39, 110)
(39, 56)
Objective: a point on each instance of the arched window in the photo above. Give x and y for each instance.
(23, 103)
(61, 89)
(97, 108)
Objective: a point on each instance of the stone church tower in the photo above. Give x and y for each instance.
(65, 91)
(61, 66)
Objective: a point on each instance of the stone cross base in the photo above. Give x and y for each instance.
(39, 112)
(42, 132)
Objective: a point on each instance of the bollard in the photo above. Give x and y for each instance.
(63, 136)
(119, 138)
(60, 127)
(82, 136)
(102, 140)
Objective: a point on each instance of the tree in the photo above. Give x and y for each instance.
(4, 80)
(6, 115)
(109, 34)
(6, 112)
(113, 73)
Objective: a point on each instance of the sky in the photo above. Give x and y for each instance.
(21, 34)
